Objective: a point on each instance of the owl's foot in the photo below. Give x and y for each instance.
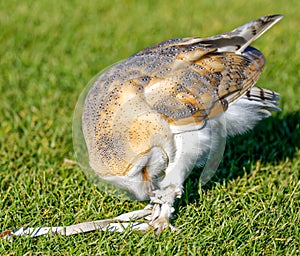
(162, 210)
(159, 219)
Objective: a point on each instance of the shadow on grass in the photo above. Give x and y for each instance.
(273, 140)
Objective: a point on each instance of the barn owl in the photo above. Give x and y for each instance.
(148, 120)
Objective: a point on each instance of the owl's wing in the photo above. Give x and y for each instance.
(207, 74)
(198, 89)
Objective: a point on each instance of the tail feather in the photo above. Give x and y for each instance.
(266, 99)
(247, 111)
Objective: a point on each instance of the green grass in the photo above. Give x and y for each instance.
(48, 52)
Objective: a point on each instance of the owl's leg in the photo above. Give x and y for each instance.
(190, 146)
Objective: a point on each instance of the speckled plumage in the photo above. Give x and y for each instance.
(150, 118)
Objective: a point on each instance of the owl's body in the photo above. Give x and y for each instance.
(150, 119)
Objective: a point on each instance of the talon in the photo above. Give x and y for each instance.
(174, 229)
(149, 207)
(156, 211)
(155, 200)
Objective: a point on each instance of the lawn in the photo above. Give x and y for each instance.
(49, 50)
